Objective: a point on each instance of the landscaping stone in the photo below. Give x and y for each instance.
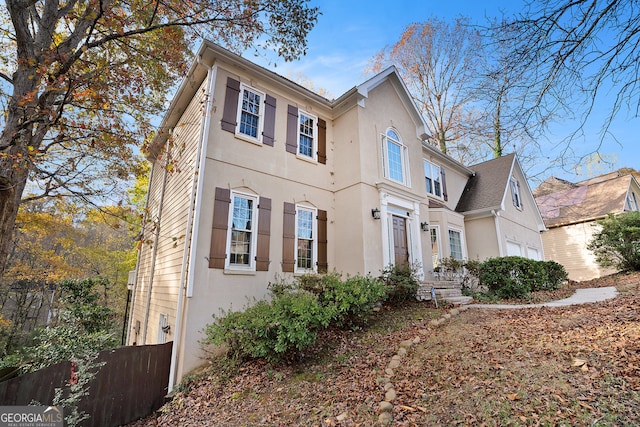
(402, 352)
(389, 372)
(388, 386)
(385, 406)
(342, 416)
(390, 395)
(394, 364)
(385, 418)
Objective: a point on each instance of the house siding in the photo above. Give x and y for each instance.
(567, 245)
(173, 224)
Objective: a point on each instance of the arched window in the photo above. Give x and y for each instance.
(394, 155)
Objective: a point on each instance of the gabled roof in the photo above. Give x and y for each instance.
(486, 189)
(584, 201)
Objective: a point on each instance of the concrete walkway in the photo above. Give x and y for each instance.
(582, 296)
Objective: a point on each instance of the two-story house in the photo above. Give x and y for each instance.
(255, 177)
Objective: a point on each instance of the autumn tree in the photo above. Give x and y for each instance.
(582, 52)
(82, 79)
(438, 62)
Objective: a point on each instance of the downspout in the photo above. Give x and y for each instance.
(135, 282)
(496, 219)
(156, 237)
(193, 221)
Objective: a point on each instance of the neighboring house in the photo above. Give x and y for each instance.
(571, 211)
(256, 178)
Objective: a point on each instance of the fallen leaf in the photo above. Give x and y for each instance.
(578, 362)
(407, 408)
(513, 396)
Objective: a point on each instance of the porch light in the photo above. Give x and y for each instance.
(424, 226)
(375, 213)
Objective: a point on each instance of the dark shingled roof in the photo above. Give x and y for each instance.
(486, 188)
(584, 201)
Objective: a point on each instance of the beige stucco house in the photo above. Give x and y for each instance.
(255, 177)
(571, 211)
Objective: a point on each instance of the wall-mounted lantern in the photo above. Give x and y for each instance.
(375, 213)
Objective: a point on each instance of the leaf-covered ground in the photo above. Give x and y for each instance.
(573, 366)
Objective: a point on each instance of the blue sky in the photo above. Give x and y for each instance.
(350, 32)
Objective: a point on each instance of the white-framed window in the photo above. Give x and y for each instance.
(632, 202)
(433, 179)
(307, 135)
(250, 113)
(436, 253)
(306, 240)
(515, 193)
(455, 244)
(394, 155)
(241, 239)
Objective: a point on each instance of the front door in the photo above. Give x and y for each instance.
(400, 249)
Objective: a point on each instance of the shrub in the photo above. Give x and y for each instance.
(555, 275)
(401, 283)
(289, 322)
(273, 330)
(617, 244)
(517, 277)
(510, 277)
(351, 300)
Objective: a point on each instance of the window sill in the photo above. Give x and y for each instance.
(239, 271)
(307, 159)
(247, 138)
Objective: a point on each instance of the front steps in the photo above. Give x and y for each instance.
(445, 291)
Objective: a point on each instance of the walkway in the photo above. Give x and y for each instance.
(582, 296)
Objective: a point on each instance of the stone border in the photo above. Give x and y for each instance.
(385, 407)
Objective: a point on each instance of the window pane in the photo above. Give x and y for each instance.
(240, 249)
(305, 239)
(394, 155)
(249, 119)
(433, 180)
(455, 243)
(306, 135)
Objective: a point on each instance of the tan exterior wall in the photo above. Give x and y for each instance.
(567, 245)
(482, 239)
(520, 226)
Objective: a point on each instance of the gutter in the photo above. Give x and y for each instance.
(496, 219)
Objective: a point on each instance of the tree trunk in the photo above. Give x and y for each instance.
(13, 179)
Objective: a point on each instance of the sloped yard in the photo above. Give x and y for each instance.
(576, 365)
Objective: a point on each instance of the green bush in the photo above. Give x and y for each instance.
(555, 275)
(401, 282)
(509, 277)
(288, 323)
(617, 244)
(273, 330)
(349, 301)
(517, 277)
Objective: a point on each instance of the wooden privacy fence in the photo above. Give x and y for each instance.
(131, 384)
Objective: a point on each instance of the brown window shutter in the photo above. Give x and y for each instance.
(218, 251)
(268, 134)
(444, 184)
(264, 233)
(323, 264)
(288, 238)
(292, 129)
(230, 112)
(322, 141)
